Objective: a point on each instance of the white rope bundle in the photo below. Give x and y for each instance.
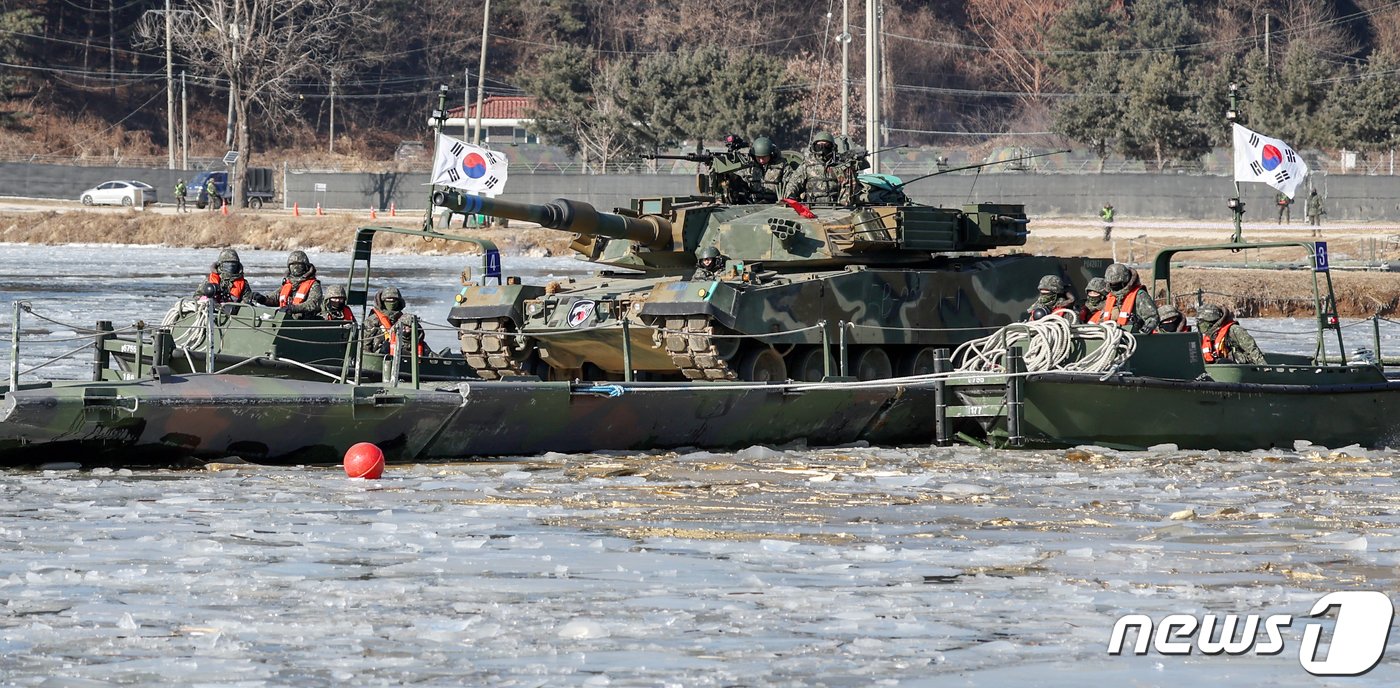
(1049, 346)
(194, 335)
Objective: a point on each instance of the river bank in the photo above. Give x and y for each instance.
(1254, 282)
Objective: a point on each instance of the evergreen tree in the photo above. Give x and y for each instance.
(1161, 122)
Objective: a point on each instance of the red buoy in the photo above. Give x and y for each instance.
(364, 460)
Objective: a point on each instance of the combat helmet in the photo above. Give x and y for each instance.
(824, 137)
(762, 146)
(1052, 283)
(228, 263)
(709, 258)
(1097, 284)
(1118, 276)
(389, 293)
(1167, 312)
(298, 258)
(1210, 314)
(335, 291)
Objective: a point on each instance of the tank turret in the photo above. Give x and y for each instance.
(663, 234)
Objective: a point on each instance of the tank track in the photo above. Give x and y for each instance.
(695, 353)
(494, 358)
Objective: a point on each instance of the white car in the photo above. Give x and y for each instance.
(119, 193)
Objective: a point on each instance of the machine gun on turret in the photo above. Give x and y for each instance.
(719, 173)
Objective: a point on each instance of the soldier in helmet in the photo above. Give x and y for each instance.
(388, 324)
(816, 180)
(709, 264)
(1223, 340)
(1170, 320)
(300, 295)
(1128, 304)
(1094, 294)
(334, 308)
(1054, 299)
(226, 278)
(766, 173)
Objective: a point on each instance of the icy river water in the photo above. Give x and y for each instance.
(784, 566)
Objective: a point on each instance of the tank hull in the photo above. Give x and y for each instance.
(902, 311)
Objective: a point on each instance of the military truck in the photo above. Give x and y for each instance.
(259, 188)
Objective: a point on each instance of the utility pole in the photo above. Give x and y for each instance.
(332, 147)
(184, 123)
(466, 100)
(481, 73)
(846, 68)
(872, 82)
(169, 89)
(232, 84)
(1267, 31)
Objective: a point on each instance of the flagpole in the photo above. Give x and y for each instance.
(439, 120)
(1235, 204)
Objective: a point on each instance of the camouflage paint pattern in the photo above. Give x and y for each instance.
(904, 278)
(157, 420)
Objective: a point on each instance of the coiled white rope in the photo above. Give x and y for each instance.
(1049, 346)
(194, 335)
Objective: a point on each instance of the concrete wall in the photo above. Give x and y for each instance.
(1353, 198)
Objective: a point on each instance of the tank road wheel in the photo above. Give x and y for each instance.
(763, 364)
(872, 363)
(693, 350)
(492, 350)
(807, 364)
(916, 362)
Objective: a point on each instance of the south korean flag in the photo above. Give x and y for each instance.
(461, 165)
(1259, 158)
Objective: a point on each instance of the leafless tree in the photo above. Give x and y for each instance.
(265, 51)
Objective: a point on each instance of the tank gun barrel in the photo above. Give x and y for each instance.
(979, 166)
(563, 214)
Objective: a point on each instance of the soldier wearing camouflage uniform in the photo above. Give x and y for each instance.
(334, 308)
(300, 295)
(225, 283)
(1170, 320)
(1094, 294)
(1054, 299)
(766, 173)
(709, 264)
(384, 319)
(1223, 340)
(1128, 304)
(816, 180)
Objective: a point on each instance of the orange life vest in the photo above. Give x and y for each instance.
(389, 336)
(235, 290)
(303, 289)
(1214, 348)
(1120, 316)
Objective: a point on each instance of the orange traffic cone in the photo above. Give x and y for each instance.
(225, 209)
(393, 212)
(372, 214)
(319, 211)
(296, 210)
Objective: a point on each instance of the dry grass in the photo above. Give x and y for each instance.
(277, 231)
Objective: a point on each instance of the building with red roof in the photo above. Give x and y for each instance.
(503, 121)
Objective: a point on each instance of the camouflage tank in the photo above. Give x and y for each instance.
(885, 280)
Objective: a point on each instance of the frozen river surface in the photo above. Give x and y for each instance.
(854, 566)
